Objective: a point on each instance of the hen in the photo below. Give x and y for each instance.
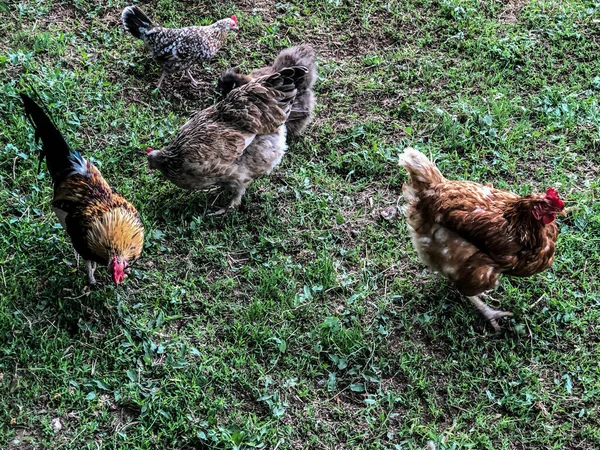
(473, 233)
(176, 49)
(219, 145)
(103, 226)
(302, 109)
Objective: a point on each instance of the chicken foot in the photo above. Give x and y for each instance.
(236, 201)
(492, 315)
(189, 74)
(91, 268)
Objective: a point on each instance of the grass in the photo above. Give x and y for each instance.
(304, 320)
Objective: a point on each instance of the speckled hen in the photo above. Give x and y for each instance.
(235, 141)
(472, 233)
(103, 226)
(177, 49)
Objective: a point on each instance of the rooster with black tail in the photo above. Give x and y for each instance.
(103, 226)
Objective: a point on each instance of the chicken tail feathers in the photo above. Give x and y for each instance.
(291, 79)
(230, 79)
(421, 171)
(300, 56)
(61, 160)
(285, 82)
(135, 21)
(296, 74)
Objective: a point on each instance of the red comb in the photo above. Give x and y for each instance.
(234, 19)
(148, 150)
(552, 194)
(117, 271)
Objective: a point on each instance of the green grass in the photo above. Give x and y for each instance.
(304, 320)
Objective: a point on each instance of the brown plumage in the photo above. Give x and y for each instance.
(103, 226)
(219, 145)
(177, 49)
(302, 110)
(472, 233)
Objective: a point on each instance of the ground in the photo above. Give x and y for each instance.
(305, 320)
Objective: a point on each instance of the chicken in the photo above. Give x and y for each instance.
(472, 233)
(103, 226)
(219, 145)
(176, 49)
(302, 109)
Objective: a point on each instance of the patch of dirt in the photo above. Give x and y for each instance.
(364, 208)
(511, 11)
(24, 439)
(265, 8)
(124, 416)
(60, 13)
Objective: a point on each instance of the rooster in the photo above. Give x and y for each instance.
(103, 226)
(473, 233)
(235, 141)
(302, 55)
(176, 49)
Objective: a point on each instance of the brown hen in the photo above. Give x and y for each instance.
(235, 141)
(472, 233)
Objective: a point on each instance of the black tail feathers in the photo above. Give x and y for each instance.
(135, 21)
(231, 79)
(61, 160)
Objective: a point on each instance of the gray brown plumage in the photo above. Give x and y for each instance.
(176, 49)
(302, 110)
(473, 233)
(219, 145)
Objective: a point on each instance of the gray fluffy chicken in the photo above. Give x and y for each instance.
(235, 141)
(176, 49)
(302, 109)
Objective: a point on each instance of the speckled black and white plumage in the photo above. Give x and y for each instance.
(177, 49)
(235, 141)
(302, 111)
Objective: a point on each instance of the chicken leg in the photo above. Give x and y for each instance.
(238, 191)
(160, 80)
(189, 74)
(492, 315)
(91, 268)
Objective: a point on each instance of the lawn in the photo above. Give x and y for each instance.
(305, 319)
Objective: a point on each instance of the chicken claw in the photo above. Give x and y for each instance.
(492, 315)
(220, 212)
(189, 74)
